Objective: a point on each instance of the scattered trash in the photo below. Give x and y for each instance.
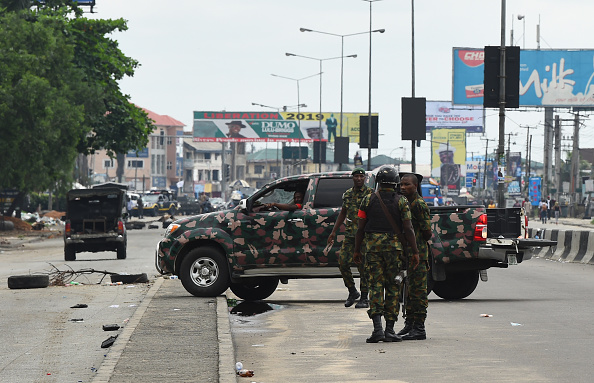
(173, 277)
(242, 371)
(109, 341)
(77, 320)
(487, 315)
(114, 283)
(114, 306)
(515, 324)
(153, 226)
(111, 327)
(73, 283)
(129, 278)
(79, 306)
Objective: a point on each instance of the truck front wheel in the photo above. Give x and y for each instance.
(204, 272)
(457, 285)
(255, 289)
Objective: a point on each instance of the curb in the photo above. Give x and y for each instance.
(226, 350)
(111, 360)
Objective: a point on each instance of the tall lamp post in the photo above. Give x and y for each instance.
(299, 105)
(369, 110)
(341, 60)
(278, 109)
(320, 116)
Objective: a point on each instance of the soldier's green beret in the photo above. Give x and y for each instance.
(358, 171)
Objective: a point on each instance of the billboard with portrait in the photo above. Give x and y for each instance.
(448, 157)
(513, 175)
(442, 114)
(555, 78)
(274, 126)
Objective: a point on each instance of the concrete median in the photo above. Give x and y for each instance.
(572, 245)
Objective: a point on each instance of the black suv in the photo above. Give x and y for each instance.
(94, 221)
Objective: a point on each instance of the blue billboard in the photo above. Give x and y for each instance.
(554, 78)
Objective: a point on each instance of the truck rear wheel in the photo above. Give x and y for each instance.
(121, 251)
(255, 289)
(69, 253)
(457, 285)
(204, 272)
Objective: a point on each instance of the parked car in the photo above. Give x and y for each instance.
(94, 221)
(217, 203)
(251, 248)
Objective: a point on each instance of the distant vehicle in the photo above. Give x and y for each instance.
(188, 205)
(158, 202)
(217, 203)
(430, 191)
(94, 221)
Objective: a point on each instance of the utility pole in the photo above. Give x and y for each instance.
(557, 134)
(485, 165)
(575, 158)
(500, 147)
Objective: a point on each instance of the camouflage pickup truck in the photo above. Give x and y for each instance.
(252, 247)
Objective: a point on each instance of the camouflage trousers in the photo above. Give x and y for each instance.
(382, 267)
(416, 300)
(345, 261)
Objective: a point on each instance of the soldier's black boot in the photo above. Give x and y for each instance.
(417, 332)
(353, 296)
(389, 333)
(363, 302)
(408, 324)
(378, 332)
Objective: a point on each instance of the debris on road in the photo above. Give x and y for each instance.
(109, 341)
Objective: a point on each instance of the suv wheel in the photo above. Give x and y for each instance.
(204, 272)
(121, 251)
(255, 289)
(69, 253)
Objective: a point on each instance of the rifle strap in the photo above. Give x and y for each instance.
(388, 215)
(395, 227)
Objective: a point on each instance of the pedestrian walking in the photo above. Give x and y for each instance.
(384, 222)
(351, 200)
(140, 206)
(543, 211)
(557, 211)
(416, 299)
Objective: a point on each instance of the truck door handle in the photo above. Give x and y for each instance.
(295, 220)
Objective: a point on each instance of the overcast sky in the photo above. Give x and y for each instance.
(199, 55)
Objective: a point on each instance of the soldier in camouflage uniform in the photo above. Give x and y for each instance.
(351, 200)
(383, 252)
(416, 302)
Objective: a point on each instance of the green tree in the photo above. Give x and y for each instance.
(59, 95)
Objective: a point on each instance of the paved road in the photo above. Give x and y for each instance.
(540, 331)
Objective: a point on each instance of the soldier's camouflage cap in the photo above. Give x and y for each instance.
(358, 171)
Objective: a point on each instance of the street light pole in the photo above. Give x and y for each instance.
(320, 116)
(341, 62)
(299, 105)
(369, 109)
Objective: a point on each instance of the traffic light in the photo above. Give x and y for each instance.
(473, 182)
(227, 174)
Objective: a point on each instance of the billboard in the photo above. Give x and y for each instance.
(555, 78)
(274, 126)
(442, 114)
(513, 175)
(448, 158)
(534, 190)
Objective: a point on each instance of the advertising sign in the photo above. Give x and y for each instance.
(534, 191)
(274, 126)
(448, 157)
(474, 171)
(513, 177)
(441, 114)
(547, 77)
